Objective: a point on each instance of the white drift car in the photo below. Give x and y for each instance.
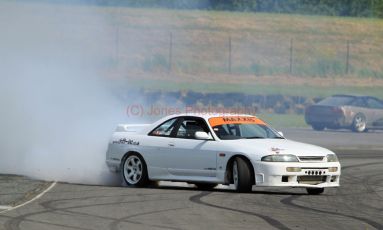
(213, 149)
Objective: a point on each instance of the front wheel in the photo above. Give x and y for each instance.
(134, 170)
(241, 175)
(314, 191)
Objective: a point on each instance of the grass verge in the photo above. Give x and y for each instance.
(283, 120)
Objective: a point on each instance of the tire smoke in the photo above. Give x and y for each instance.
(57, 109)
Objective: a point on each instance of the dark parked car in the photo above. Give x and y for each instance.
(358, 113)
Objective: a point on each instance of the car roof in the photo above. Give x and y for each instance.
(206, 116)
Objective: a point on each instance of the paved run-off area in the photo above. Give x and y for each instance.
(15, 190)
(357, 204)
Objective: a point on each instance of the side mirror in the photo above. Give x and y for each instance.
(202, 136)
(280, 133)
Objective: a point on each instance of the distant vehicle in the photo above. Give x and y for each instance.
(208, 149)
(358, 113)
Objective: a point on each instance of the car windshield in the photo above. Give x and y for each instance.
(337, 100)
(241, 127)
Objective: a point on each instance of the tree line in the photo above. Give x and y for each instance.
(353, 8)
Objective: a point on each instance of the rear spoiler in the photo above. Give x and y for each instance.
(130, 128)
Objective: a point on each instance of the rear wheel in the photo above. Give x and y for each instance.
(241, 175)
(318, 127)
(134, 170)
(359, 123)
(314, 191)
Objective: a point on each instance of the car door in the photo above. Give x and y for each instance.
(358, 106)
(190, 158)
(375, 112)
(158, 147)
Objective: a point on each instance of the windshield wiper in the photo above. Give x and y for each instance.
(278, 138)
(254, 137)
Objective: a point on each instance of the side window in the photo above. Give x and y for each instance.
(358, 103)
(165, 129)
(189, 126)
(374, 104)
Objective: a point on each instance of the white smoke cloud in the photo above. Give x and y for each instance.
(57, 109)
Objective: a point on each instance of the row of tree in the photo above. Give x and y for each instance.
(355, 8)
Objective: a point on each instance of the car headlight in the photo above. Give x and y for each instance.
(280, 158)
(332, 158)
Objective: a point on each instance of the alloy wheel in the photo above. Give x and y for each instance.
(133, 169)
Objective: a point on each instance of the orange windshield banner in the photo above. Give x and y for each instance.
(215, 121)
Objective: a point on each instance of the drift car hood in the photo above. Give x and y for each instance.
(256, 148)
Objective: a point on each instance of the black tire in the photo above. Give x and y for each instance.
(314, 191)
(205, 186)
(318, 127)
(242, 175)
(127, 167)
(359, 123)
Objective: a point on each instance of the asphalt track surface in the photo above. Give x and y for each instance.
(338, 139)
(357, 204)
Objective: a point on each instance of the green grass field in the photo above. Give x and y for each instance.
(260, 48)
(283, 120)
(260, 43)
(133, 47)
(254, 88)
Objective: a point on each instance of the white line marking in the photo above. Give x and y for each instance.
(31, 200)
(5, 207)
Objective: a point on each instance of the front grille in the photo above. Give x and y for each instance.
(311, 179)
(311, 158)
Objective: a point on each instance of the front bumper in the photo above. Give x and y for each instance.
(311, 175)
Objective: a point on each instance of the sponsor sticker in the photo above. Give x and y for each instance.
(126, 141)
(215, 121)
